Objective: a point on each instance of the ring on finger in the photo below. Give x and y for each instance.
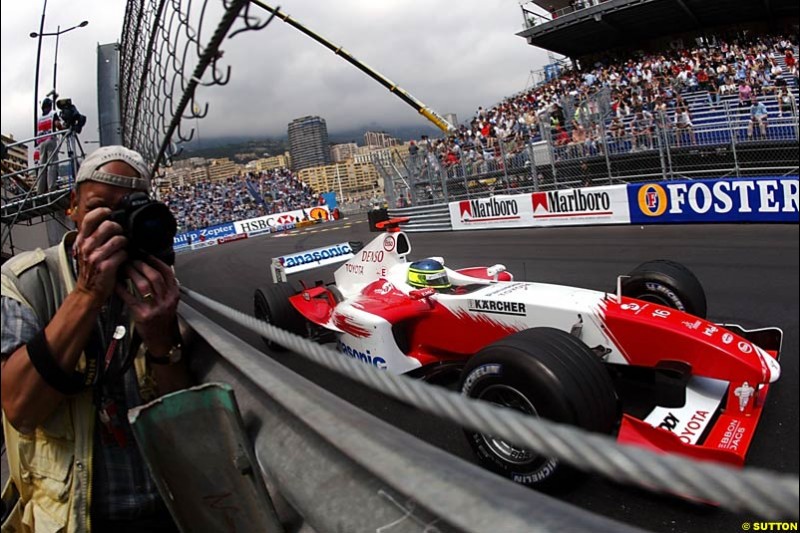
(147, 297)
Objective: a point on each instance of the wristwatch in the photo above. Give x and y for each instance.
(173, 356)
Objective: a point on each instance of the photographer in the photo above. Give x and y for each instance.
(46, 147)
(74, 317)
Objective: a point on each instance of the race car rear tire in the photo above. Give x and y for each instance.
(669, 284)
(271, 304)
(544, 372)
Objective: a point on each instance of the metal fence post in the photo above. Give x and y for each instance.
(662, 121)
(604, 145)
(464, 174)
(661, 155)
(443, 178)
(533, 168)
(505, 165)
(733, 131)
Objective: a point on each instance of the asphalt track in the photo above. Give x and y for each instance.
(750, 274)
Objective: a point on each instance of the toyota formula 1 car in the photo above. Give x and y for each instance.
(642, 363)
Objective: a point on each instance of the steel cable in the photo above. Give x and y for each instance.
(767, 494)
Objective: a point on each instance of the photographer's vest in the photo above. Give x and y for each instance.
(51, 468)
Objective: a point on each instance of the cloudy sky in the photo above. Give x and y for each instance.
(453, 56)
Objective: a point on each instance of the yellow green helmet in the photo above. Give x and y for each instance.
(428, 273)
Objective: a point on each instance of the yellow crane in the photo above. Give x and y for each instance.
(401, 93)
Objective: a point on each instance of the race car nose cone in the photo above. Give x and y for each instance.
(771, 363)
(774, 368)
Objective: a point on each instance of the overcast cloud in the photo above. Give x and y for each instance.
(453, 56)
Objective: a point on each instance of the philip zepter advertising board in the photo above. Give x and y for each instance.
(567, 207)
(231, 231)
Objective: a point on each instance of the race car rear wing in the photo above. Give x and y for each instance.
(310, 259)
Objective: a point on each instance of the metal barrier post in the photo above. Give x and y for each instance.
(604, 145)
(504, 162)
(664, 132)
(533, 168)
(734, 131)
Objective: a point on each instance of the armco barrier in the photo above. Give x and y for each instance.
(763, 199)
(424, 218)
(342, 469)
(767, 494)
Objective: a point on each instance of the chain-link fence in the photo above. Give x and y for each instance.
(581, 142)
(167, 49)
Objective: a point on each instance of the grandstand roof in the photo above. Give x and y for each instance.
(627, 22)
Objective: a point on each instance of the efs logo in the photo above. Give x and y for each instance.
(652, 200)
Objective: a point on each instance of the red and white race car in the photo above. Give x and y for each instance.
(642, 363)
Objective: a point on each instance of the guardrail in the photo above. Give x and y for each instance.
(342, 469)
(424, 218)
(767, 494)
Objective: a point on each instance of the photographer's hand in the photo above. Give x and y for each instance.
(100, 250)
(27, 399)
(155, 316)
(155, 313)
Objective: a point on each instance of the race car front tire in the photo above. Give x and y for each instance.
(669, 284)
(547, 373)
(271, 304)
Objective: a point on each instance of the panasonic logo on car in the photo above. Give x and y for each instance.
(481, 210)
(756, 199)
(366, 357)
(316, 256)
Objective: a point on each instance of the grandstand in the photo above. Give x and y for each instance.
(677, 98)
(208, 203)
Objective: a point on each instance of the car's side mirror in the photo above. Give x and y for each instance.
(495, 270)
(421, 294)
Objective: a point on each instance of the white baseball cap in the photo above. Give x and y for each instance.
(88, 170)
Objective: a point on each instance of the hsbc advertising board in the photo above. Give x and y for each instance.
(594, 205)
(494, 212)
(768, 199)
(572, 207)
(253, 225)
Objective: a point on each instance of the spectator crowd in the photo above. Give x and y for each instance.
(254, 194)
(581, 112)
(642, 92)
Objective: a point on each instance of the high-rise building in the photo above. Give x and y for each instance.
(381, 139)
(308, 143)
(343, 152)
(17, 158)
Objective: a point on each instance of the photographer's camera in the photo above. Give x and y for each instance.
(148, 225)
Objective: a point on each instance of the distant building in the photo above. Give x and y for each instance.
(17, 156)
(368, 154)
(379, 139)
(308, 143)
(348, 178)
(270, 163)
(222, 169)
(343, 152)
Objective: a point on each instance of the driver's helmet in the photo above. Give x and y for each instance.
(428, 273)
